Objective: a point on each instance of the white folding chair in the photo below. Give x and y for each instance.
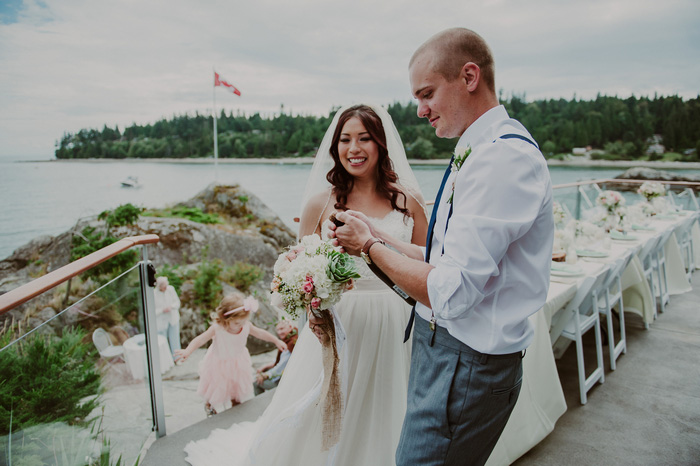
(659, 257)
(585, 197)
(107, 350)
(646, 257)
(684, 234)
(685, 200)
(582, 312)
(612, 295)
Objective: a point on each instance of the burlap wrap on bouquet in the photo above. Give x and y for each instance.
(331, 399)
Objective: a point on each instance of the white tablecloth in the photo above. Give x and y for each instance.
(135, 355)
(541, 401)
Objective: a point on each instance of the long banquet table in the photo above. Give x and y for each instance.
(541, 402)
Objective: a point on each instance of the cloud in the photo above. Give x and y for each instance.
(73, 64)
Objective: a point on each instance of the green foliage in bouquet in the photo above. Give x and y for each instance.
(341, 267)
(47, 379)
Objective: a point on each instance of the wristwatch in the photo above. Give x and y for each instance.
(364, 252)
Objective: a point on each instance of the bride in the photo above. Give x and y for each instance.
(360, 165)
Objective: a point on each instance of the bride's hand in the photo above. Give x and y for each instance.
(317, 324)
(355, 233)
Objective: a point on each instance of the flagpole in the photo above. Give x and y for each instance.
(216, 142)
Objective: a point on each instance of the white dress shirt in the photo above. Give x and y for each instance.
(163, 299)
(494, 272)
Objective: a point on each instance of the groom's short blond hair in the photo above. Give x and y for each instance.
(452, 48)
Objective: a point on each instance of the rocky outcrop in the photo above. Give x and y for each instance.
(643, 173)
(250, 233)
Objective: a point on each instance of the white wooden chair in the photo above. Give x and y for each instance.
(659, 258)
(108, 351)
(582, 312)
(646, 257)
(612, 296)
(684, 234)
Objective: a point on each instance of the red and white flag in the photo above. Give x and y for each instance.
(220, 82)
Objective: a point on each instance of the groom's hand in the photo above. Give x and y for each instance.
(354, 234)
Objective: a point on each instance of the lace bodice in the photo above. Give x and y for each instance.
(394, 223)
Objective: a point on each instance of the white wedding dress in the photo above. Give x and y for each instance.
(374, 367)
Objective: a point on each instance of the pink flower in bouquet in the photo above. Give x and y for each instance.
(275, 285)
(308, 285)
(315, 303)
(291, 255)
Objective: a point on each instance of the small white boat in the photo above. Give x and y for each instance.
(131, 182)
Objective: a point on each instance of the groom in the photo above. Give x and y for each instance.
(485, 267)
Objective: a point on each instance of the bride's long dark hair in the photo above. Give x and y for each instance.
(343, 182)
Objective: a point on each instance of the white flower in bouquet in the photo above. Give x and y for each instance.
(651, 189)
(311, 275)
(611, 200)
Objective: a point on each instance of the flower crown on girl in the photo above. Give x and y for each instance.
(250, 304)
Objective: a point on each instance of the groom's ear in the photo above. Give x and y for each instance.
(470, 74)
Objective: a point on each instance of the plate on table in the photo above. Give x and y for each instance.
(643, 227)
(664, 217)
(591, 253)
(565, 270)
(622, 236)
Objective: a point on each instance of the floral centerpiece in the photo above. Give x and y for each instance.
(312, 276)
(611, 200)
(559, 214)
(612, 203)
(651, 189)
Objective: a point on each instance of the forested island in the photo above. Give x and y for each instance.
(635, 128)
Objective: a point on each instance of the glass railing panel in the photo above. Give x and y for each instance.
(69, 394)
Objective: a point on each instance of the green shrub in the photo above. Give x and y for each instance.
(207, 287)
(47, 380)
(194, 214)
(242, 275)
(91, 240)
(126, 214)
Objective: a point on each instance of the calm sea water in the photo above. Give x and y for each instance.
(49, 197)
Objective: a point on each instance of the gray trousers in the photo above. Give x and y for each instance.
(459, 400)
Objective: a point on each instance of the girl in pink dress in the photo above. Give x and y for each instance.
(226, 371)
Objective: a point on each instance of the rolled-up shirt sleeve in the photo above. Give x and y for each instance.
(498, 195)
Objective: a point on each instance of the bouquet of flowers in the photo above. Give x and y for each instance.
(611, 200)
(651, 189)
(311, 275)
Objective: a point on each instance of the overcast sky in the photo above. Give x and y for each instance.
(72, 64)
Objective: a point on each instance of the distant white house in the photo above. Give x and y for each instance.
(581, 150)
(656, 149)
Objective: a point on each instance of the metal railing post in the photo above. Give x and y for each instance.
(147, 281)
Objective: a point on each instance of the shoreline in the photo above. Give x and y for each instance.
(432, 162)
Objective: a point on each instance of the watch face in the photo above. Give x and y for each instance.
(365, 257)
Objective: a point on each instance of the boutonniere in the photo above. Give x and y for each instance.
(461, 155)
